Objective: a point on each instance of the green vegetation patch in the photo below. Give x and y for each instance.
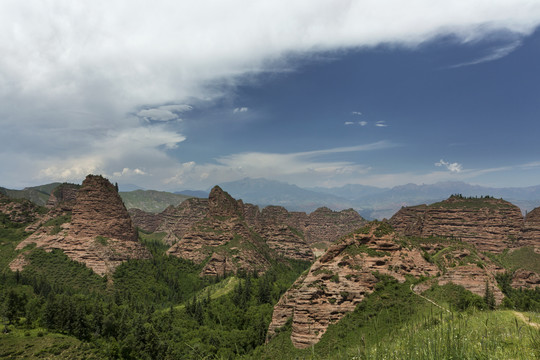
(58, 220)
(59, 270)
(460, 202)
(40, 344)
(356, 249)
(521, 258)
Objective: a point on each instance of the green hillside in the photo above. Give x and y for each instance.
(151, 200)
(37, 194)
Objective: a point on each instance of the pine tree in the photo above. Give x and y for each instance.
(489, 297)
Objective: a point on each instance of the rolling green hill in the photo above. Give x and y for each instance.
(151, 200)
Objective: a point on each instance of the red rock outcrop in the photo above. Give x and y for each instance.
(148, 222)
(293, 235)
(489, 224)
(223, 239)
(18, 210)
(99, 232)
(341, 278)
(99, 211)
(344, 275)
(64, 196)
(321, 227)
(525, 278)
(530, 234)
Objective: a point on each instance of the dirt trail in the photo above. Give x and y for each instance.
(526, 320)
(431, 301)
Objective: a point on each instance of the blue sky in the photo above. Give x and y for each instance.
(320, 93)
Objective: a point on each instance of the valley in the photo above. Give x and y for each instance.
(83, 276)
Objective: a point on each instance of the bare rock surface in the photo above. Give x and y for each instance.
(489, 224)
(345, 274)
(340, 279)
(221, 237)
(18, 210)
(99, 211)
(530, 235)
(99, 234)
(64, 196)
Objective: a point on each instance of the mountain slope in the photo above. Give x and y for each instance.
(264, 192)
(151, 200)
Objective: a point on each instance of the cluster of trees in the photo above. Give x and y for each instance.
(519, 299)
(155, 308)
(460, 196)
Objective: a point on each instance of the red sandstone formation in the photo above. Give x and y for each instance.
(99, 211)
(489, 224)
(100, 233)
(344, 275)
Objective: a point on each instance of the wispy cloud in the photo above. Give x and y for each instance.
(495, 54)
(240, 110)
(307, 168)
(128, 171)
(381, 124)
(356, 113)
(453, 167)
(349, 123)
(164, 113)
(362, 123)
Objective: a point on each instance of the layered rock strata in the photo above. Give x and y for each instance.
(99, 232)
(530, 234)
(63, 197)
(99, 211)
(222, 239)
(344, 275)
(489, 224)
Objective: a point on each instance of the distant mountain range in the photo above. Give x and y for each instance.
(371, 202)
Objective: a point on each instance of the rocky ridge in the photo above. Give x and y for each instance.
(221, 237)
(97, 232)
(346, 273)
(489, 224)
(295, 235)
(530, 233)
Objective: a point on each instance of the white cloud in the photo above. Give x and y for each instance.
(128, 171)
(72, 72)
(495, 54)
(240, 110)
(349, 123)
(304, 168)
(362, 123)
(164, 113)
(453, 167)
(356, 113)
(381, 124)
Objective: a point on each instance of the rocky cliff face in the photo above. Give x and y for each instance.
(213, 228)
(98, 232)
(530, 234)
(64, 197)
(321, 227)
(489, 224)
(221, 237)
(145, 221)
(295, 235)
(342, 277)
(18, 210)
(99, 211)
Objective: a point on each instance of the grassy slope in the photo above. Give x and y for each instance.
(524, 258)
(151, 200)
(393, 323)
(40, 344)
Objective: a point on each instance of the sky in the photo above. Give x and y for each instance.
(174, 95)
